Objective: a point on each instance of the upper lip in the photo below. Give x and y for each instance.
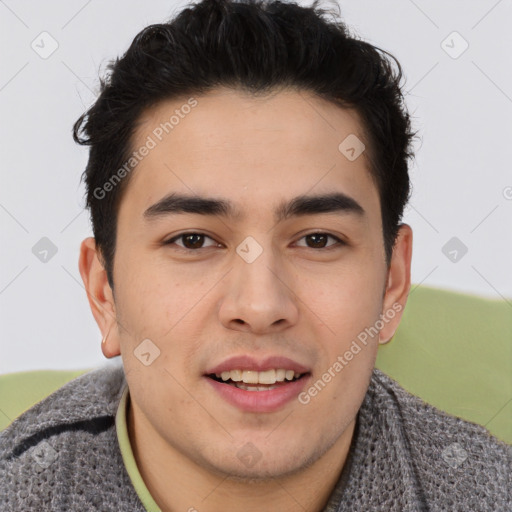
(246, 362)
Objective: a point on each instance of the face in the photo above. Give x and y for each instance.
(254, 287)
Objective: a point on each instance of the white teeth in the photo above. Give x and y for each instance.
(236, 375)
(268, 377)
(280, 375)
(250, 377)
(254, 388)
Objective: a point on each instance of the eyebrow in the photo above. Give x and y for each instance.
(175, 203)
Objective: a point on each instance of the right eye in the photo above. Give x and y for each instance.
(192, 241)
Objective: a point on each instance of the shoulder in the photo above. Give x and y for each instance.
(453, 459)
(90, 396)
(62, 452)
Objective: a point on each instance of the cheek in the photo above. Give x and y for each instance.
(149, 298)
(163, 307)
(348, 296)
(348, 306)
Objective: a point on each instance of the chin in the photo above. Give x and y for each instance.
(251, 465)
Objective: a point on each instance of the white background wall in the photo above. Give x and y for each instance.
(462, 175)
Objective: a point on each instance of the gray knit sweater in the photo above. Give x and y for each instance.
(405, 455)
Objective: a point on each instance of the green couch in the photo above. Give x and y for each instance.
(454, 350)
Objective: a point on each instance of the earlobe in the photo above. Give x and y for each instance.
(110, 348)
(99, 295)
(398, 283)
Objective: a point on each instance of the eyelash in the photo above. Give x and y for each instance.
(171, 241)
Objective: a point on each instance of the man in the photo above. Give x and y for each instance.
(246, 180)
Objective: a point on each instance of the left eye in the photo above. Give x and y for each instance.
(320, 239)
(194, 241)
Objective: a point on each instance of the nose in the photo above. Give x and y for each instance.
(259, 298)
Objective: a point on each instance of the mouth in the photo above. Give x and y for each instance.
(250, 380)
(258, 386)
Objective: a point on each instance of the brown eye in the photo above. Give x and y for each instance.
(190, 241)
(195, 241)
(319, 240)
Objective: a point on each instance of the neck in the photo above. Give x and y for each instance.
(178, 483)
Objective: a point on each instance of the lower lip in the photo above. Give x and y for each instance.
(259, 401)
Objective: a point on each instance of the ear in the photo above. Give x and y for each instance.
(398, 283)
(100, 296)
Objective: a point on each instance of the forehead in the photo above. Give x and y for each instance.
(235, 144)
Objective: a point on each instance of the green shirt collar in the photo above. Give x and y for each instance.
(127, 454)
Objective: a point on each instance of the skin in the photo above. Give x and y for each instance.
(296, 299)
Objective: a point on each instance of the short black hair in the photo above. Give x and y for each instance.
(256, 46)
